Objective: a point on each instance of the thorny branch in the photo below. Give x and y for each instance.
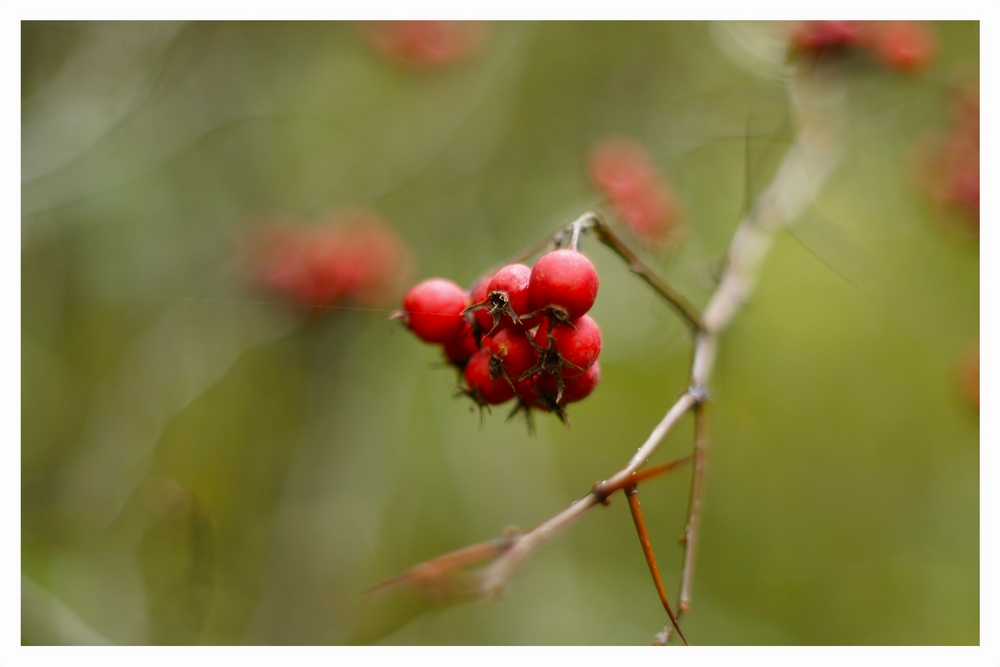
(818, 100)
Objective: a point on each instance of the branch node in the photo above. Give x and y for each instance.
(699, 393)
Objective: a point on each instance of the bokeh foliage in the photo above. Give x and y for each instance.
(199, 466)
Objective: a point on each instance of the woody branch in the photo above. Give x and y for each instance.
(817, 99)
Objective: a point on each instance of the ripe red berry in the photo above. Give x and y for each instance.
(433, 310)
(354, 255)
(624, 171)
(566, 280)
(527, 392)
(482, 386)
(574, 389)
(907, 46)
(478, 295)
(513, 352)
(577, 345)
(622, 168)
(967, 370)
(825, 36)
(461, 349)
(425, 44)
(512, 280)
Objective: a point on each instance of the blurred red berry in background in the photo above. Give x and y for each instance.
(624, 171)
(967, 373)
(622, 168)
(353, 256)
(907, 46)
(426, 43)
(817, 37)
(945, 163)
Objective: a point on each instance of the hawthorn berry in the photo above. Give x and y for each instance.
(433, 310)
(527, 393)
(477, 295)
(461, 349)
(817, 37)
(566, 280)
(906, 46)
(426, 44)
(574, 389)
(355, 255)
(568, 349)
(967, 373)
(507, 299)
(623, 169)
(945, 163)
(481, 385)
(512, 353)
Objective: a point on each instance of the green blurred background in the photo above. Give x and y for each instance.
(201, 466)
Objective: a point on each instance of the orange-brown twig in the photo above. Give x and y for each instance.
(647, 549)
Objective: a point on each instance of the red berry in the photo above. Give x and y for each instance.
(512, 280)
(527, 392)
(904, 45)
(651, 214)
(565, 279)
(513, 351)
(434, 310)
(622, 168)
(459, 351)
(574, 389)
(968, 373)
(482, 385)
(478, 295)
(825, 36)
(354, 256)
(577, 346)
(424, 44)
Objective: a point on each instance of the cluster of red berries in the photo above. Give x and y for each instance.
(426, 44)
(522, 333)
(900, 45)
(352, 256)
(624, 171)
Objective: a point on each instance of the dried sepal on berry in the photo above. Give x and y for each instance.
(507, 300)
(481, 385)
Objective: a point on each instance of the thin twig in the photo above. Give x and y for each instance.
(691, 532)
(647, 550)
(674, 414)
(496, 576)
(694, 509)
(683, 307)
(433, 570)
